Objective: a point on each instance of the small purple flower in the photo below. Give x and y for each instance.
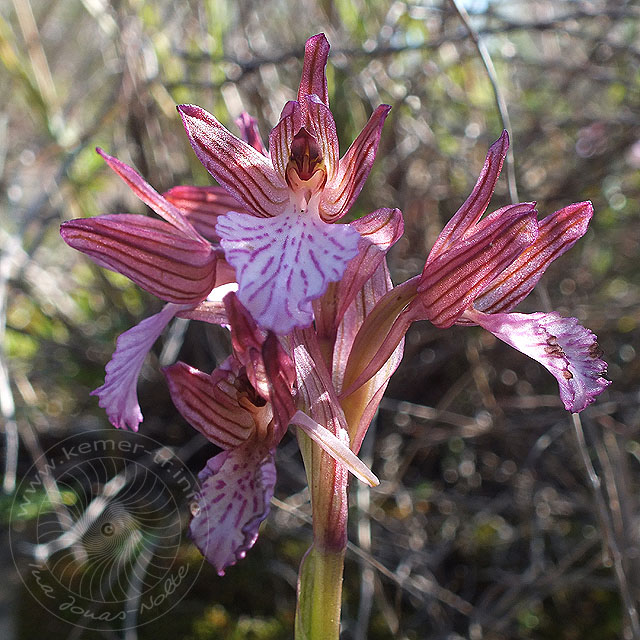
(244, 407)
(282, 242)
(478, 270)
(168, 258)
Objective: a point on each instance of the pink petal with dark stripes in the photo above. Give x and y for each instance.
(118, 394)
(202, 206)
(354, 168)
(246, 342)
(209, 403)
(235, 494)
(360, 407)
(152, 253)
(557, 233)
(324, 127)
(281, 136)
(561, 345)
(476, 204)
(212, 312)
(249, 131)
(379, 231)
(314, 79)
(236, 165)
(284, 263)
(383, 329)
(281, 375)
(456, 277)
(150, 196)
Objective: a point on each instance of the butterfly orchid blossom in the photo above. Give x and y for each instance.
(168, 258)
(282, 243)
(477, 271)
(317, 327)
(245, 407)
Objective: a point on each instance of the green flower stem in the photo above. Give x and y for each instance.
(319, 595)
(320, 575)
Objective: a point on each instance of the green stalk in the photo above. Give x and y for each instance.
(321, 569)
(319, 595)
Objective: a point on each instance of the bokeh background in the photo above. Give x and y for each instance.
(498, 516)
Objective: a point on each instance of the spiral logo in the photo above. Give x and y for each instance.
(98, 530)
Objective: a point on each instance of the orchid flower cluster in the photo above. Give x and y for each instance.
(317, 327)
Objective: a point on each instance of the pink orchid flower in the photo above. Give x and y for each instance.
(281, 242)
(480, 269)
(246, 404)
(168, 258)
(245, 407)
(317, 327)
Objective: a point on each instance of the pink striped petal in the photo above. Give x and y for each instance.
(379, 231)
(451, 282)
(314, 79)
(382, 331)
(354, 168)
(281, 375)
(557, 233)
(152, 253)
(236, 165)
(235, 495)
(281, 136)
(150, 196)
(212, 312)
(324, 128)
(210, 403)
(284, 263)
(202, 206)
(246, 341)
(249, 131)
(561, 345)
(476, 204)
(118, 394)
(360, 407)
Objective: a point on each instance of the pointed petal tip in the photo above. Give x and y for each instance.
(318, 43)
(319, 38)
(185, 108)
(335, 447)
(108, 158)
(501, 145)
(190, 111)
(584, 208)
